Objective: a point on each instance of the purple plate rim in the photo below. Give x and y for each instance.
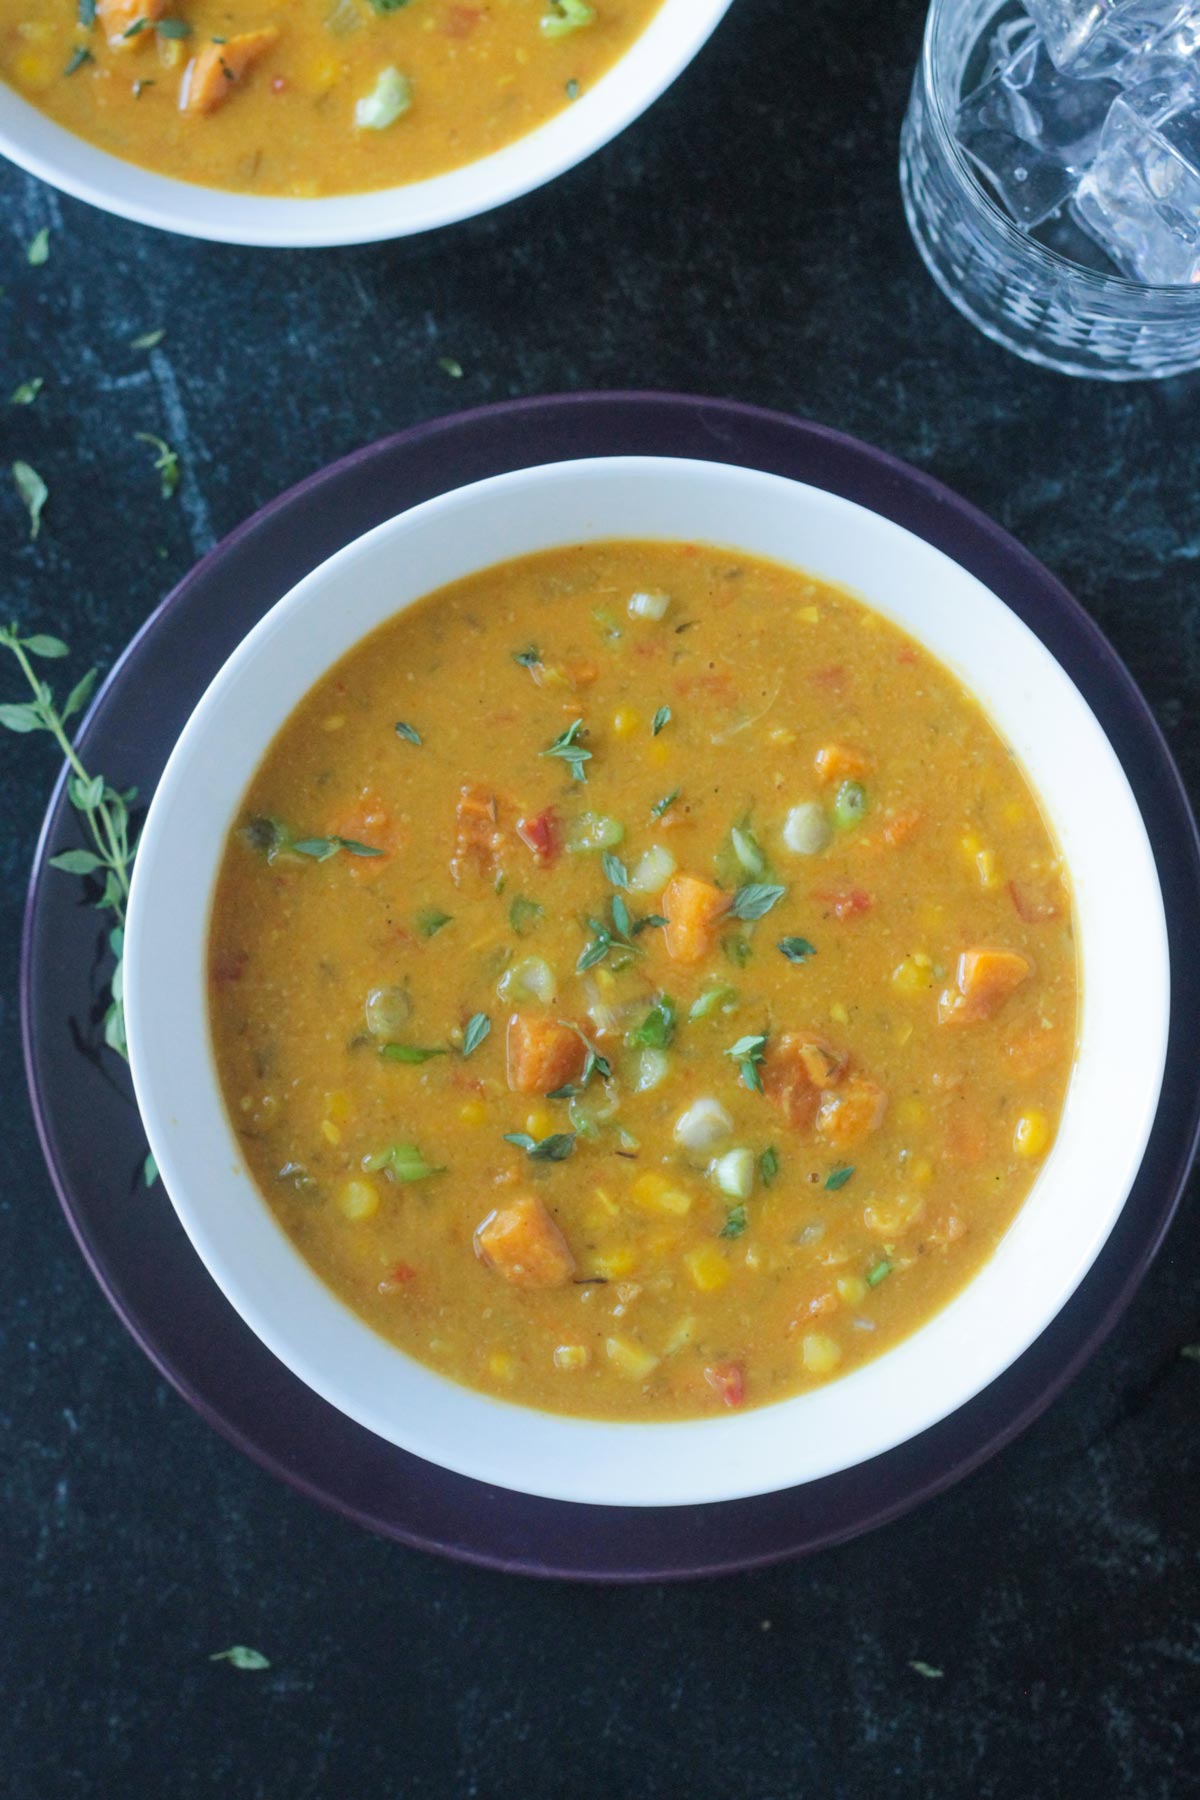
(1181, 885)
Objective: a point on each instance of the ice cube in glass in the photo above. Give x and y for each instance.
(1093, 37)
(1141, 197)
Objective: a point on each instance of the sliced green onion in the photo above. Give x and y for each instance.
(388, 101)
(850, 805)
(593, 831)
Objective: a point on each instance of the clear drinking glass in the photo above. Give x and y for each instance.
(1019, 292)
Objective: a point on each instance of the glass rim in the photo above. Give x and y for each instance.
(1174, 295)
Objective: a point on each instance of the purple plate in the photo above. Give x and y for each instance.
(131, 1237)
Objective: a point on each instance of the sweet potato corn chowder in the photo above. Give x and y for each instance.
(309, 97)
(642, 981)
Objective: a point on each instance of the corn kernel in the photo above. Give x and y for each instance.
(911, 1111)
(501, 1365)
(629, 1358)
(838, 1013)
(921, 1172)
(473, 1113)
(708, 1269)
(330, 1132)
(682, 1335)
(914, 975)
(1032, 1134)
(35, 69)
(852, 1289)
(540, 1123)
(572, 1356)
(357, 1200)
(655, 1192)
(612, 1264)
(657, 752)
(809, 615)
(1013, 813)
(625, 721)
(821, 1355)
(339, 1105)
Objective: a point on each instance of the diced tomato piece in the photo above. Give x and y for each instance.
(840, 762)
(907, 655)
(900, 827)
(1036, 903)
(728, 1381)
(852, 1112)
(397, 1278)
(986, 978)
(522, 1243)
(693, 909)
(542, 1055)
(833, 678)
(844, 903)
(459, 21)
(540, 833)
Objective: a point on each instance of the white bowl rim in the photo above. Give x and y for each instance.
(75, 166)
(721, 1471)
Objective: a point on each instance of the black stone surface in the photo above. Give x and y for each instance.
(745, 240)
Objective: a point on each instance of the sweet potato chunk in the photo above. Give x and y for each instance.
(117, 16)
(542, 1055)
(215, 71)
(840, 762)
(692, 908)
(479, 839)
(522, 1243)
(798, 1065)
(985, 978)
(850, 1113)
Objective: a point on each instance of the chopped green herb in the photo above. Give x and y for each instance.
(875, 1275)
(662, 717)
(478, 1026)
(647, 922)
(33, 492)
(622, 922)
(140, 86)
(755, 900)
(594, 1063)
(735, 1223)
(408, 732)
(149, 340)
(388, 6)
(410, 1053)
(80, 55)
(321, 849)
(27, 392)
(768, 1165)
(431, 919)
(241, 1656)
(567, 746)
(135, 30)
(615, 869)
(738, 949)
(87, 13)
(837, 1178)
(39, 249)
(555, 1148)
(566, 16)
(797, 949)
(528, 659)
(166, 462)
(173, 28)
(400, 1162)
(450, 367)
(523, 915)
(656, 1029)
(572, 89)
(711, 999)
(748, 1054)
(660, 806)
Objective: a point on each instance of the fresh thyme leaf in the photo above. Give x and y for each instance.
(87, 13)
(26, 392)
(166, 462)
(173, 28)
(662, 717)
(321, 849)
(555, 1148)
(478, 1026)
(735, 1223)
(596, 950)
(647, 922)
(660, 806)
(837, 1178)
(33, 492)
(149, 340)
(797, 949)
(595, 1064)
(615, 869)
(401, 1162)
(241, 1656)
(755, 900)
(450, 366)
(42, 644)
(523, 914)
(656, 1029)
(768, 1165)
(528, 659)
(410, 1053)
(431, 919)
(76, 862)
(875, 1275)
(620, 917)
(567, 746)
(748, 1054)
(80, 55)
(408, 732)
(39, 249)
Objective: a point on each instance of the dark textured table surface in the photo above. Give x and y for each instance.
(746, 240)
